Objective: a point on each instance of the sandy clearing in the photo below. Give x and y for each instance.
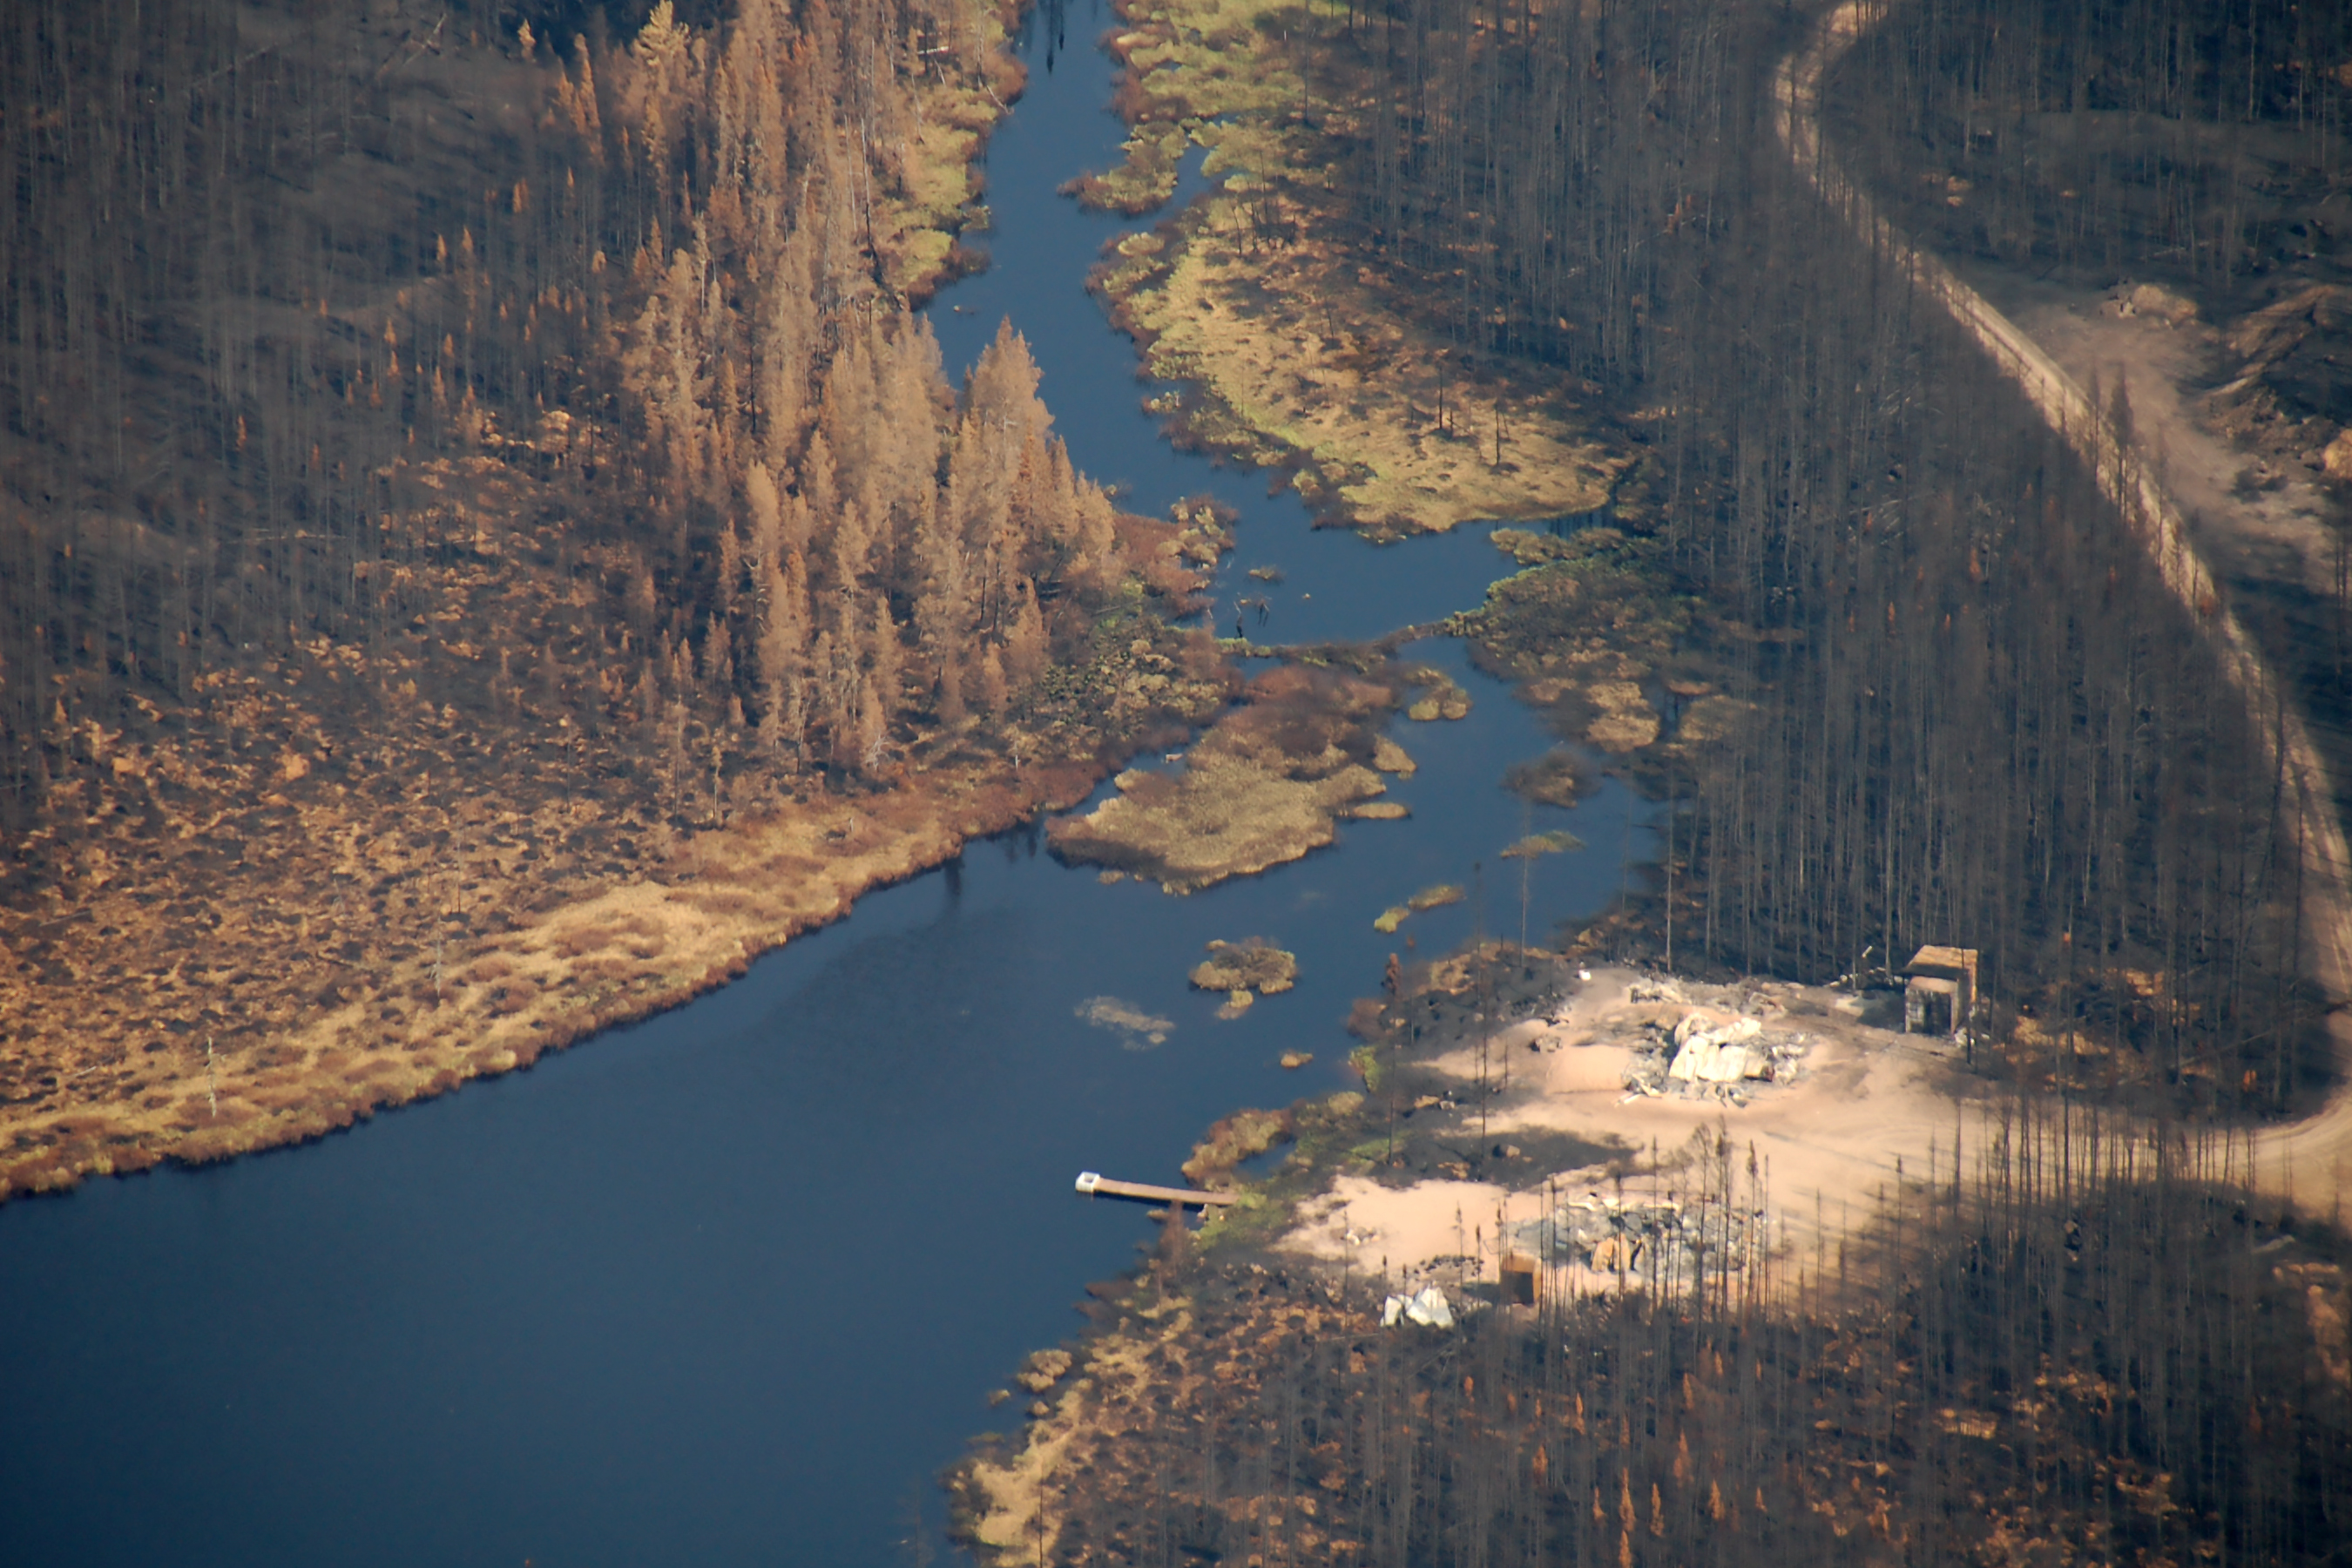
(2277, 534)
(1375, 1229)
(1871, 1109)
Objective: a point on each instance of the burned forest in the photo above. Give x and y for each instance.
(453, 462)
(1969, 707)
(1997, 664)
(2086, 1350)
(1677, 685)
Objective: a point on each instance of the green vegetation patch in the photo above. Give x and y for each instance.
(1324, 1133)
(1251, 964)
(1558, 777)
(1244, 1135)
(1265, 786)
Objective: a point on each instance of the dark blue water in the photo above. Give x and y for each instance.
(731, 1287)
(1043, 244)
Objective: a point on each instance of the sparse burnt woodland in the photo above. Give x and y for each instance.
(2121, 139)
(2089, 1350)
(1972, 714)
(2190, 165)
(447, 454)
(1968, 709)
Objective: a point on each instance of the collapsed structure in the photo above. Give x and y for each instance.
(1660, 1239)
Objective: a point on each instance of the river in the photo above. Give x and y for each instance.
(732, 1285)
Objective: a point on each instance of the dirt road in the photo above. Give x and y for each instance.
(2310, 1159)
(1873, 1108)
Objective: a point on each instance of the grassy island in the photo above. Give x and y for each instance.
(1290, 347)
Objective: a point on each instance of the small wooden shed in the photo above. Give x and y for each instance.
(1939, 979)
(1518, 1275)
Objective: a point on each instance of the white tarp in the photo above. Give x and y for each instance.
(1713, 1049)
(1429, 1309)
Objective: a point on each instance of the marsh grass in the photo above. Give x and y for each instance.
(1558, 777)
(1440, 695)
(1244, 1135)
(1291, 363)
(1556, 842)
(1265, 786)
(1253, 963)
(1294, 357)
(546, 971)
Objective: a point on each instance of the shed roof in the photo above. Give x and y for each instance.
(1944, 962)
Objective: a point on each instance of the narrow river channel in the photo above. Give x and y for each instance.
(732, 1285)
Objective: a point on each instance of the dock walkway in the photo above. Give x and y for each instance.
(1094, 1184)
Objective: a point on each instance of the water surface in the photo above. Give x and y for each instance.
(732, 1286)
(1042, 246)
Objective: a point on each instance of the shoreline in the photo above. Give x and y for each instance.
(305, 895)
(1777, 1206)
(1287, 354)
(618, 956)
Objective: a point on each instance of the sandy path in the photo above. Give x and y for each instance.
(2310, 1158)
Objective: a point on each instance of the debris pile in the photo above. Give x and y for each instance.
(1708, 1050)
(1712, 1054)
(1657, 1237)
(1427, 1307)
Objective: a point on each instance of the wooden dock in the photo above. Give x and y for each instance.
(1095, 1184)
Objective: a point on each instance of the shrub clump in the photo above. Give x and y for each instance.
(1253, 964)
